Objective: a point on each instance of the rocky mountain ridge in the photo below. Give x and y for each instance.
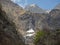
(22, 18)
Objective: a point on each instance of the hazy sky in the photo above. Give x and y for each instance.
(45, 4)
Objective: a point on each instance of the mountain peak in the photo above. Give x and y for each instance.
(34, 8)
(33, 5)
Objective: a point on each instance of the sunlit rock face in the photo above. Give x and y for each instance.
(29, 20)
(13, 11)
(54, 19)
(8, 33)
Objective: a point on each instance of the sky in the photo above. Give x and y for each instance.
(44, 4)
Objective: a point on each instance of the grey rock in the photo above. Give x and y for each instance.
(54, 19)
(33, 20)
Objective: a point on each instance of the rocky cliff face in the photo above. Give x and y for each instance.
(52, 31)
(25, 20)
(15, 22)
(12, 10)
(8, 32)
(41, 20)
(54, 19)
(29, 20)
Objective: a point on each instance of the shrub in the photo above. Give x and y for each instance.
(38, 35)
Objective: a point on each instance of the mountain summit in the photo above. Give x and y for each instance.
(34, 9)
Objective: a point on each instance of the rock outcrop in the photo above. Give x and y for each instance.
(14, 22)
(29, 20)
(54, 19)
(13, 11)
(8, 29)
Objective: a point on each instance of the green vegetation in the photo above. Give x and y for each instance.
(38, 35)
(47, 37)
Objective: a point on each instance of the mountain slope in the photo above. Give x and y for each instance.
(13, 11)
(54, 19)
(8, 32)
(32, 20)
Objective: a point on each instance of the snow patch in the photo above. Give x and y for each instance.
(30, 30)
